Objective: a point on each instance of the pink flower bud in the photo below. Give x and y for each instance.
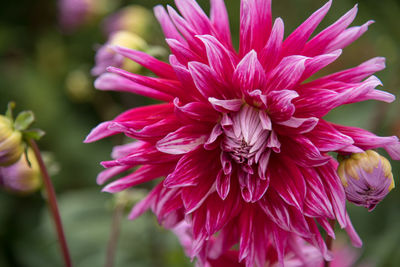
(367, 178)
(20, 177)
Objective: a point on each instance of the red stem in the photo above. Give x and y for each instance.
(114, 234)
(52, 202)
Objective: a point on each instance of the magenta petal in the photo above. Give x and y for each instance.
(286, 74)
(223, 184)
(314, 64)
(166, 24)
(255, 18)
(295, 42)
(101, 131)
(348, 36)
(249, 73)
(280, 105)
(196, 111)
(318, 44)
(107, 174)
(336, 193)
(113, 82)
(145, 203)
(160, 68)
(220, 22)
(183, 140)
(190, 169)
(143, 174)
(220, 59)
(226, 106)
(182, 53)
(289, 182)
(270, 54)
(355, 239)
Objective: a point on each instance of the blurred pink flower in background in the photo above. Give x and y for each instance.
(241, 139)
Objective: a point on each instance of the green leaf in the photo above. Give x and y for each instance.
(11, 105)
(35, 134)
(24, 120)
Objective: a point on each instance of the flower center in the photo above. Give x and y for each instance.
(247, 136)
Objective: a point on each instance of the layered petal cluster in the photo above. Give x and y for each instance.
(239, 140)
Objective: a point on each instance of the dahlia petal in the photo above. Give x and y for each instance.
(191, 167)
(145, 155)
(252, 187)
(151, 133)
(183, 140)
(125, 149)
(314, 64)
(166, 86)
(280, 238)
(295, 42)
(205, 81)
(226, 106)
(113, 82)
(215, 133)
(263, 164)
(158, 67)
(265, 120)
(348, 36)
(326, 138)
(289, 183)
(255, 18)
(317, 240)
(186, 29)
(378, 95)
(185, 78)
(296, 125)
(143, 174)
(182, 53)
(219, 58)
(107, 174)
(270, 54)
(145, 203)
(336, 193)
(220, 212)
(220, 22)
(280, 105)
(197, 111)
(318, 44)
(366, 140)
(167, 26)
(286, 74)
(287, 218)
(194, 15)
(99, 132)
(193, 198)
(168, 207)
(353, 75)
(355, 239)
(249, 73)
(327, 226)
(302, 151)
(246, 230)
(317, 203)
(223, 184)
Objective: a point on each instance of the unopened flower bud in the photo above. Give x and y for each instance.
(20, 177)
(11, 147)
(367, 178)
(135, 19)
(106, 57)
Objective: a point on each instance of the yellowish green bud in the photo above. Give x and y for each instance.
(11, 146)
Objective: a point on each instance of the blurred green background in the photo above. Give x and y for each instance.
(48, 71)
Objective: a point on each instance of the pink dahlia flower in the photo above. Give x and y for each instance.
(240, 141)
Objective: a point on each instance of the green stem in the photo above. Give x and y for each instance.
(52, 202)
